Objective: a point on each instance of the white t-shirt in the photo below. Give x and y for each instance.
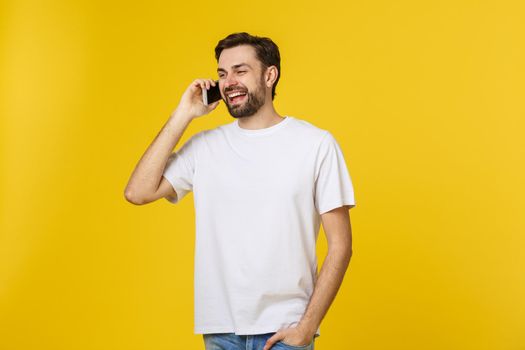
(258, 196)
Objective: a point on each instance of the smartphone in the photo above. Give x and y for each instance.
(211, 95)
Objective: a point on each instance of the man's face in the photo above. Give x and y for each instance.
(240, 81)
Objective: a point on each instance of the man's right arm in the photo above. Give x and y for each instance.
(146, 183)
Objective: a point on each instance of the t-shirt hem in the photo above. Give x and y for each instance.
(338, 204)
(241, 331)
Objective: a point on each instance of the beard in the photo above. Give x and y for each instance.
(253, 102)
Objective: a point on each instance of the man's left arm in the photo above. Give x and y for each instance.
(338, 230)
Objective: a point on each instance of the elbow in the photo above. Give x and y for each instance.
(133, 198)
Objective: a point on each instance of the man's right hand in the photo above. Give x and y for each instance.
(191, 104)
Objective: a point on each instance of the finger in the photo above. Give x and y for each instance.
(200, 83)
(272, 340)
(214, 105)
(194, 85)
(211, 82)
(197, 83)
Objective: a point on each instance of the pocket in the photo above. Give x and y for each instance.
(288, 346)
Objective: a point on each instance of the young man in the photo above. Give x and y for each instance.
(262, 186)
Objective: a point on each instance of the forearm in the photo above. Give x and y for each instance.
(326, 287)
(147, 174)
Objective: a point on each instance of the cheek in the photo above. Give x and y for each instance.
(249, 84)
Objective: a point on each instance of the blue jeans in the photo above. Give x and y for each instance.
(231, 341)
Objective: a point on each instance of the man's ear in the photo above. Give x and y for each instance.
(271, 76)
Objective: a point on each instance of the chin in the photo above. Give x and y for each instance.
(243, 116)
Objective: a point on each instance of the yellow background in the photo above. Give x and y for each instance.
(426, 98)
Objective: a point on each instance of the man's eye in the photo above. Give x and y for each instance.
(241, 71)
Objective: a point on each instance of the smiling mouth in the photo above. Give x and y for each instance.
(236, 96)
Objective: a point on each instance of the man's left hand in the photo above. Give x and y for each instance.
(295, 336)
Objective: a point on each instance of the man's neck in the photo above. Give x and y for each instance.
(265, 117)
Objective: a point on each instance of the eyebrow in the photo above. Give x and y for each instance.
(235, 67)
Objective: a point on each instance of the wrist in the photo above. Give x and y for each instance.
(308, 328)
(181, 116)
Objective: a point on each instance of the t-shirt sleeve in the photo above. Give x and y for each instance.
(180, 169)
(333, 184)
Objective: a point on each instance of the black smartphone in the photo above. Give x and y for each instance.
(211, 95)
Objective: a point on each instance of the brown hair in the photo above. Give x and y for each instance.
(266, 50)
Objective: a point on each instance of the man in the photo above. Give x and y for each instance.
(262, 185)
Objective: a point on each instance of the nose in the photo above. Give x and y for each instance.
(229, 81)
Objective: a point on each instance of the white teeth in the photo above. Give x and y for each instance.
(235, 94)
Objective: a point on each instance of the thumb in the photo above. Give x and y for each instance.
(214, 105)
(272, 340)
